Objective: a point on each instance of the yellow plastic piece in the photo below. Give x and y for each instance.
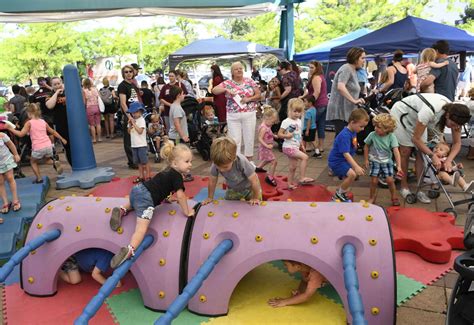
(263, 203)
(369, 218)
(337, 201)
(235, 214)
(286, 216)
(313, 204)
(172, 212)
(258, 238)
(98, 199)
(365, 204)
(289, 200)
(210, 214)
(50, 207)
(161, 294)
(375, 311)
(119, 230)
(341, 217)
(215, 202)
(126, 196)
(33, 252)
(162, 262)
(314, 240)
(202, 298)
(61, 197)
(374, 274)
(74, 195)
(31, 279)
(39, 226)
(166, 233)
(372, 242)
(107, 210)
(78, 228)
(68, 208)
(206, 235)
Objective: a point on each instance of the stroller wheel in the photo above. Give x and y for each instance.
(382, 182)
(411, 198)
(451, 211)
(432, 194)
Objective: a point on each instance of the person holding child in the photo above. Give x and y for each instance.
(428, 58)
(380, 145)
(8, 159)
(156, 131)
(145, 196)
(309, 125)
(137, 130)
(290, 131)
(341, 159)
(266, 138)
(239, 173)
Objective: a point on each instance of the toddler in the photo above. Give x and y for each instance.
(265, 144)
(311, 281)
(239, 173)
(156, 131)
(274, 93)
(145, 196)
(428, 57)
(290, 131)
(341, 160)
(136, 128)
(441, 150)
(378, 149)
(40, 142)
(212, 123)
(8, 159)
(309, 125)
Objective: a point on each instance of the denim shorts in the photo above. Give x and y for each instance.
(140, 155)
(141, 202)
(43, 152)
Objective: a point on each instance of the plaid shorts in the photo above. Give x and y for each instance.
(384, 169)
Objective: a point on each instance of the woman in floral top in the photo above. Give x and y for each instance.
(242, 96)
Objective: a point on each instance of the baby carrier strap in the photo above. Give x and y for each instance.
(423, 99)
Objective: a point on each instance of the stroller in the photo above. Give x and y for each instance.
(151, 143)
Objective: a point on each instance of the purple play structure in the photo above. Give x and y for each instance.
(311, 233)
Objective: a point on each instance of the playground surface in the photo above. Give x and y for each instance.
(424, 289)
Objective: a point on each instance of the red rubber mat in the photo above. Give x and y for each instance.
(62, 308)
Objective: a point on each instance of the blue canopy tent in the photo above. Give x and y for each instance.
(410, 35)
(321, 51)
(218, 47)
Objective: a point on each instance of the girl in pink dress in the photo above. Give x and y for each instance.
(91, 100)
(265, 139)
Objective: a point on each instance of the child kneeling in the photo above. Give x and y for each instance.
(145, 196)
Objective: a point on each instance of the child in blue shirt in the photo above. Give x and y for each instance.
(309, 125)
(340, 158)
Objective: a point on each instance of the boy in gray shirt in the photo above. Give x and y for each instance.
(239, 173)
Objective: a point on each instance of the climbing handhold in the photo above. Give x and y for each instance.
(369, 218)
(286, 216)
(372, 242)
(161, 294)
(365, 204)
(314, 240)
(50, 207)
(215, 202)
(235, 214)
(166, 233)
(374, 274)
(202, 298)
(33, 252)
(206, 235)
(289, 200)
(78, 228)
(61, 197)
(375, 311)
(98, 199)
(341, 217)
(258, 238)
(162, 261)
(31, 279)
(120, 230)
(172, 212)
(210, 214)
(313, 204)
(68, 208)
(107, 210)
(39, 226)
(263, 203)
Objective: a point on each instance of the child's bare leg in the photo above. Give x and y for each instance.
(3, 191)
(34, 166)
(11, 180)
(140, 231)
(263, 163)
(445, 177)
(157, 144)
(291, 172)
(140, 171)
(272, 169)
(303, 164)
(374, 180)
(347, 182)
(147, 171)
(304, 144)
(461, 182)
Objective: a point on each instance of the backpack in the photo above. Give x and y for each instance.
(106, 96)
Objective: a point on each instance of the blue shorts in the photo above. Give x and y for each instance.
(141, 202)
(340, 169)
(383, 169)
(140, 155)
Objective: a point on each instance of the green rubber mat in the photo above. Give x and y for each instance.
(407, 288)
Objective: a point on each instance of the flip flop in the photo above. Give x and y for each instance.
(16, 206)
(306, 181)
(6, 208)
(292, 187)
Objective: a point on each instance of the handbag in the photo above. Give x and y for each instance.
(101, 105)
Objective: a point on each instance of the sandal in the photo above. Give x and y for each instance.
(137, 180)
(292, 187)
(16, 206)
(306, 181)
(395, 202)
(6, 208)
(38, 181)
(1, 221)
(270, 180)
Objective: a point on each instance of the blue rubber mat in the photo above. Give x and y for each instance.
(32, 198)
(218, 194)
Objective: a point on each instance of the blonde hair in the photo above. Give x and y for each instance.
(384, 77)
(471, 93)
(386, 122)
(443, 144)
(234, 65)
(269, 112)
(34, 110)
(223, 151)
(106, 82)
(358, 115)
(170, 151)
(295, 105)
(155, 116)
(428, 55)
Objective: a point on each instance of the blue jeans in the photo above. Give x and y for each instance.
(141, 202)
(321, 121)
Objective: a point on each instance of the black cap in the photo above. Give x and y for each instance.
(136, 66)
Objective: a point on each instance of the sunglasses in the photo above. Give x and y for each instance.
(128, 71)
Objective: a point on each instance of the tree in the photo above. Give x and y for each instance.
(237, 28)
(467, 19)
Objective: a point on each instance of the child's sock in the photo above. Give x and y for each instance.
(316, 151)
(340, 190)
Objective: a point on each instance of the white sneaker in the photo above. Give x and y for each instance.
(469, 187)
(404, 192)
(423, 198)
(455, 178)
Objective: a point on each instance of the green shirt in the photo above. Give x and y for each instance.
(381, 148)
(3, 100)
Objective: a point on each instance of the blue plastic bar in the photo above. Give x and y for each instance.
(94, 304)
(351, 282)
(19, 256)
(196, 282)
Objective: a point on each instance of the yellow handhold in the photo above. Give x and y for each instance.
(365, 204)
(337, 201)
(235, 214)
(341, 217)
(78, 228)
(74, 195)
(263, 203)
(107, 210)
(166, 233)
(289, 200)
(375, 311)
(120, 230)
(210, 214)
(172, 212)
(126, 196)
(374, 274)
(369, 218)
(202, 298)
(161, 294)
(314, 240)
(258, 238)
(50, 207)
(286, 216)
(39, 226)
(215, 202)
(98, 199)
(68, 208)
(206, 235)
(162, 262)
(31, 279)
(61, 197)
(372, 242)
(242, 199)
(33, 252)
(313, 204)
(90, 195)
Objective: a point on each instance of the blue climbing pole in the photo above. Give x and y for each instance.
(351, 282)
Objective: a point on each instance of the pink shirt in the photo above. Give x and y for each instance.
(92, 97)
(39, 135)
(244, 89)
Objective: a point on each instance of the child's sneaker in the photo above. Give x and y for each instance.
(469, 187)
(116, 219)
(341, 196)
(124, 254)
(423, 198)
(57, 166)
(271, 181)
(317, 155)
